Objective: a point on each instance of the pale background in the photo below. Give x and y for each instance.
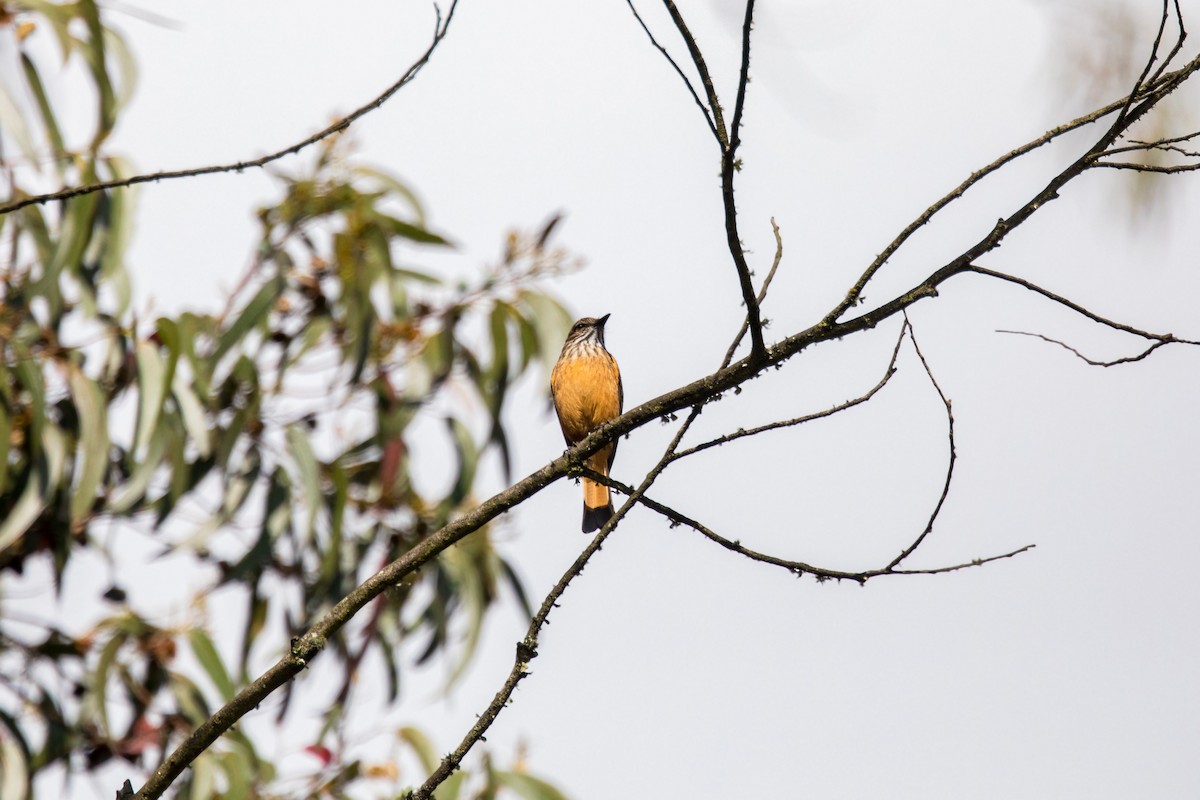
(673, 668)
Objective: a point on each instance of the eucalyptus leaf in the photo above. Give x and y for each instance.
(206, 653)
(93, 442)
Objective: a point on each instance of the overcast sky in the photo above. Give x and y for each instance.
(673, 668)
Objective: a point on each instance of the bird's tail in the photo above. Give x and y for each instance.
(597, 502)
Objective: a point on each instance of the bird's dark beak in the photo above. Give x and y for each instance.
(600, 322)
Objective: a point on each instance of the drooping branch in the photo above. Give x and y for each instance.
(1091, 362)
(797, 568)
(441, 27)
(950, 462)
(1159, 338)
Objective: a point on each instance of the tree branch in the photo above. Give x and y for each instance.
(1164, 338)
(678, 71)
(853, 296)
(440, 29)
(710, 91)
(1091, 362)
(729, 141)
(762, 293)
(527, 648)
(730, 164)
(741, 433)
(797, 568)
(937, 508)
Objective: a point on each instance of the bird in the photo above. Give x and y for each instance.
(586, 387)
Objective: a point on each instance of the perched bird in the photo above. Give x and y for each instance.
(586, 386)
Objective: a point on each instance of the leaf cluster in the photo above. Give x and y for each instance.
(271, 442)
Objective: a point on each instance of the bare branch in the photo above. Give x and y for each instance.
(440, 29)
(788, 423)
(730, 164)
(729, 141)
(710, 90)
(762, 293)
(1141, 79)
(1164, 338)
(1113, 363)
(795, 567)
(1150, 90)
(1158, 168)
(678, 71)
(937, 509)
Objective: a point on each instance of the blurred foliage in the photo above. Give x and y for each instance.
(271, 443)
(1096, 49)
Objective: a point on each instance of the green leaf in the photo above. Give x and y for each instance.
(126, 65)
(238, 772)
(99, 680)
(40, 487)
(393, 186)
(256, 619)
(134, 490)
(93, 53)
(204, 777)
(93, 442)
(468, 459)
(279, 504)
(34, 81)
(250, 317)
(13, 123)
(75, 231)
(195, 422)
(190, 699)
(206, 653)
(154, 376)
(310, 473)
(421, 745)
(527, 786)
(551, 320)
(416, 233)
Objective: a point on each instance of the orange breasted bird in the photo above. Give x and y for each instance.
(586, 386)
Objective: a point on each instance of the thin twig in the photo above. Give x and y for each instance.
(729, 141)
(1165, 338)
(440, 29)
(1157, 168)
(678, 71)
(1162, 27)
(710, 90)
(855, 293)
(730, 165)
(1115, 362)
(937, 509)
(795, 567)
(741, 433)
(762, 293)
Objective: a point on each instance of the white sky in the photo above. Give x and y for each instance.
(673, 668)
